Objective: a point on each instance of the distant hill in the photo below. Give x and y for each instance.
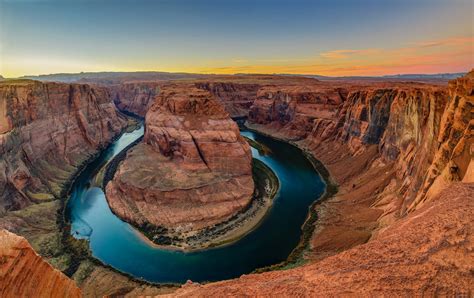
(118, 77)
(397, 77)
(113, 77)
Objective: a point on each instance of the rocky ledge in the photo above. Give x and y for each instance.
(23, 273)
(192, 171)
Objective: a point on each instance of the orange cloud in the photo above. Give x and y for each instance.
(445, 55)
(456, 41)
(342, 54)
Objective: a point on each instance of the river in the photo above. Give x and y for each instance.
(121, 246)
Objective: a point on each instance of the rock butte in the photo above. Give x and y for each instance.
(193, 169)
(401, 153)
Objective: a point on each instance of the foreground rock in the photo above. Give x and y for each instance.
(419, 255)
(24, 274)
(193, 169)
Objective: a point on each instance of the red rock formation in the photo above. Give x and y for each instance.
(420, 127)
(136, 97)
(236, 97)
(47, 130)
(420, 255)
(24, 274)
(193, 169)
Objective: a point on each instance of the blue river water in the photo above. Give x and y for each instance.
(121, 246)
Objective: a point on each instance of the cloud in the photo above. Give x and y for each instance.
(454, 41)
(454, 54)
(343, 54)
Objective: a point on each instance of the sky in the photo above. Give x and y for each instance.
(325, 37)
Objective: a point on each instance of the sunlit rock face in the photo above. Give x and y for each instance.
(424, 130)
(24, 274)
(47, 131)
(192, 170)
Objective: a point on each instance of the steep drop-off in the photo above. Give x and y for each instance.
(47, 131)
(236, 97)
(23, 273)
(398, 152)
(193, 169)
(421, 130)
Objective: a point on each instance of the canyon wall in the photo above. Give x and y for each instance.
(193, 169)
(424, 130)
(236, 97)
(135, 97)
(47, 131)
(23, 273)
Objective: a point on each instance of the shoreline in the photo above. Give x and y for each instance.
(230, 231)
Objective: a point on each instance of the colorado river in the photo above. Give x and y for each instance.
(121, 246)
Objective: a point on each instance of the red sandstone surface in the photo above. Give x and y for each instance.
(23, 273)
(427, 253)
(47, 130)
(136, 97)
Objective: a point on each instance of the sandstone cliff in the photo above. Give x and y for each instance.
(193, 169)
(236, 97)
(47, 130)
(135, 97)
(24, 274)
(425, 131)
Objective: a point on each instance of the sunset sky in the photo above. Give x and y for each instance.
(326, 37)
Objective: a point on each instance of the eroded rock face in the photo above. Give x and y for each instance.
(425, 130)
(193, 169)
(237, 98)
(24, 274)
(296, 110)
(136, 97)
(47, 131)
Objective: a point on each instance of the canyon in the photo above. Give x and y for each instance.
(400, 153)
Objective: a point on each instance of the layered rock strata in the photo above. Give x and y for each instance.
(47, 131)
(193, 169)
(23, 273)
(135, 97)
(424, 131)
(237, 98)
